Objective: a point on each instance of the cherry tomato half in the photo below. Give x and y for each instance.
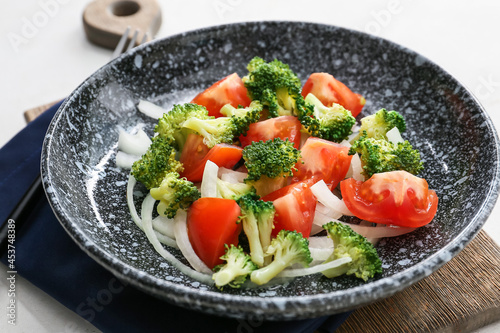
(322, 159)
(212, 223)
(229, 90)
(280, 127)
(195, 155)
(295, 205)
(329, 90)
(395, 197)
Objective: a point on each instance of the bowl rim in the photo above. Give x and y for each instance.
(337, 300)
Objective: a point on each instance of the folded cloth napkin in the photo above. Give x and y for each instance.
(48, 258)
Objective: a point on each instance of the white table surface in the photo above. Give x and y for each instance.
(45, 55)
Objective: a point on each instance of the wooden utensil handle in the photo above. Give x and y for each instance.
(105, 21)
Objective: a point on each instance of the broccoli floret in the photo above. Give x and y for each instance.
(347, 243)
(334, 123)
(275, 85)
(214, 131)
(170, 124)
(377, 125)
(225, 129)
(174, 193)
(236, 269)
(269, 163)
(233, 191)
(245, 116)
(288, 248)
(156, 163)
(383, 156)
(257, 217)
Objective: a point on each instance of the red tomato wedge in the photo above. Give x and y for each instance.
(211, 223)
(280, 127)
(322, 159)
(229, 90)
(329, 90)
(395, 197)
(295, 205)
(195, 155)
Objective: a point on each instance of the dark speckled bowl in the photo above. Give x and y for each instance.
(455, 136)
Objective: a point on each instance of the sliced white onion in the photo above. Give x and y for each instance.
(130, 201)
(164, 225)
(320, 255)
(124, 160)
(365, 231)
(147, 226)
(370, 224)
(134, 144)
(355, 133)
(164, 239)
(320, 242)
(182, 238)
(150, 109)
(146, 214)
(147, 223)
(394, 136)
(321, 219)
(232, 176)
(327, 198)
(356, 169)
(334, 214)
(345, 143)
(315, 229)
(294, 272)
(380, 232)
(209, 180)
(320, 247)
(322, 208)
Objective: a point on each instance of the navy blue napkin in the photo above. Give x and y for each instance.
(48, 258)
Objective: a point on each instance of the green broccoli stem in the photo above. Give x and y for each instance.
(266, 185)
(200, 126)
(265, 274)
(251, 229)
(265, 239)
(336, 271)
(224, 276)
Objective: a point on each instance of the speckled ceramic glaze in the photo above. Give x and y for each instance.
(455, 136)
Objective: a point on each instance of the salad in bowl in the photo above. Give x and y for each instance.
(251, 179)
